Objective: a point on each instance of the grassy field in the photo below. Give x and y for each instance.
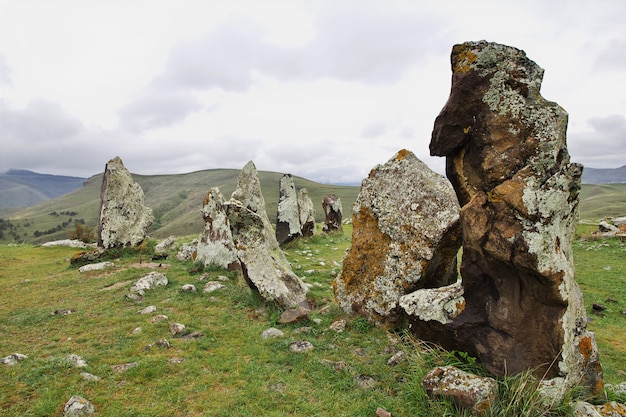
(231, 370)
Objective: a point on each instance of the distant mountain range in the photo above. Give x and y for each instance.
(22, 188)
(604, 176)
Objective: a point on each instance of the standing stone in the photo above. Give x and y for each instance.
(216, 246)
(506, 156)
(332, 213)
(263, 264)
(306, 212)
(405, 237)
(124, 219)
(287, 217)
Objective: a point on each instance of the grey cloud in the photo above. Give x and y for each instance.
(351, 45)
(153, 109)
(612, 56)
(381, 128)
(5, 72)
(39, 122)
(602, 147)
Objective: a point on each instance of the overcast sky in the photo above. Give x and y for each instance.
(320, 89)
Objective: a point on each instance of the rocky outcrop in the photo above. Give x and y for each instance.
(263, 264)
(124, 218)
(216, 245)
(405, 237)
(287, 217)
(506, 156)
(306, 212)
(333, 213)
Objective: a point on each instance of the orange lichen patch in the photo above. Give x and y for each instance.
(402, 153)
(369, 248)
(585, 347)
(464, 58)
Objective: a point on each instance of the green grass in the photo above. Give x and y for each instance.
(231, 370)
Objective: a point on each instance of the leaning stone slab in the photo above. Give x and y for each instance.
(405, 236)
(263, 263)
(124, 218)
(506, 156)
(472, 392)
(165, 245)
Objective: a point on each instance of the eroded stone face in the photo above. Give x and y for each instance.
(506, 155)
(124, 218)
(333, 213)
(216, 245)
(306, 212)
(288, 225)
(405, 237)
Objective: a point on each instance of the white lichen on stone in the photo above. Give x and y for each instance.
(439, 304)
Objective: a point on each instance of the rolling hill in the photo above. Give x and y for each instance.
(176, 201)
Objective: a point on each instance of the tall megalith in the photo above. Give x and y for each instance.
(124, 218)
(333, 213)
(288, 225)
(406, 236)
(306, 212)
(216, 246)
(263, 263)
(506, 156)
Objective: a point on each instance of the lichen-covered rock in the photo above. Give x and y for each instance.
(506, 156)
(306, 212)
(287, 217)
(164, 246)
(472, 392)
(441, 304)
(149, 282)
(405, 237)
(333, 213)
(124, 218)
(77, 406)
(188, 251)
(263, 264)
(216, 245)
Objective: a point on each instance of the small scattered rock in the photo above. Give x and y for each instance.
(279, 387)
(338, 326)
(77, 361)
(381, 412)
(159, 318)
(397, 358)
(96, 267)
(301, 346)
(136, 330)
(189, 288)
(152, 280)
(222, 278)
(365, 381)
(294, 314)
(89, 377)
(175, 360)
(192, 335)
(163, 344)
(147, 310)
(213, 286)
(13, 358)
(78, 407)
(303, 329)
(598, 307)
(118, 369)
(177, 328)
(359, 352)
(271, 333)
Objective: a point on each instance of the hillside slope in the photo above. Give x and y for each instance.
(176, 201)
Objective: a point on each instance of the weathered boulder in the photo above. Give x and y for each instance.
(506, 156)
(124, 219)
(306, 212)
(471, 392)
(287, 217)
(216, 246)
(77, 406)
(96, 267)
(164, 246)
(149, 282)
(333, 213)
(405, 237)
(188, 251)
(263, 264)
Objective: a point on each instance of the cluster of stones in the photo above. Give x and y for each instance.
(512, 206)
(238, 233)
(295, 216)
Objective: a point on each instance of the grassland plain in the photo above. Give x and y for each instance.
(231, 370)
